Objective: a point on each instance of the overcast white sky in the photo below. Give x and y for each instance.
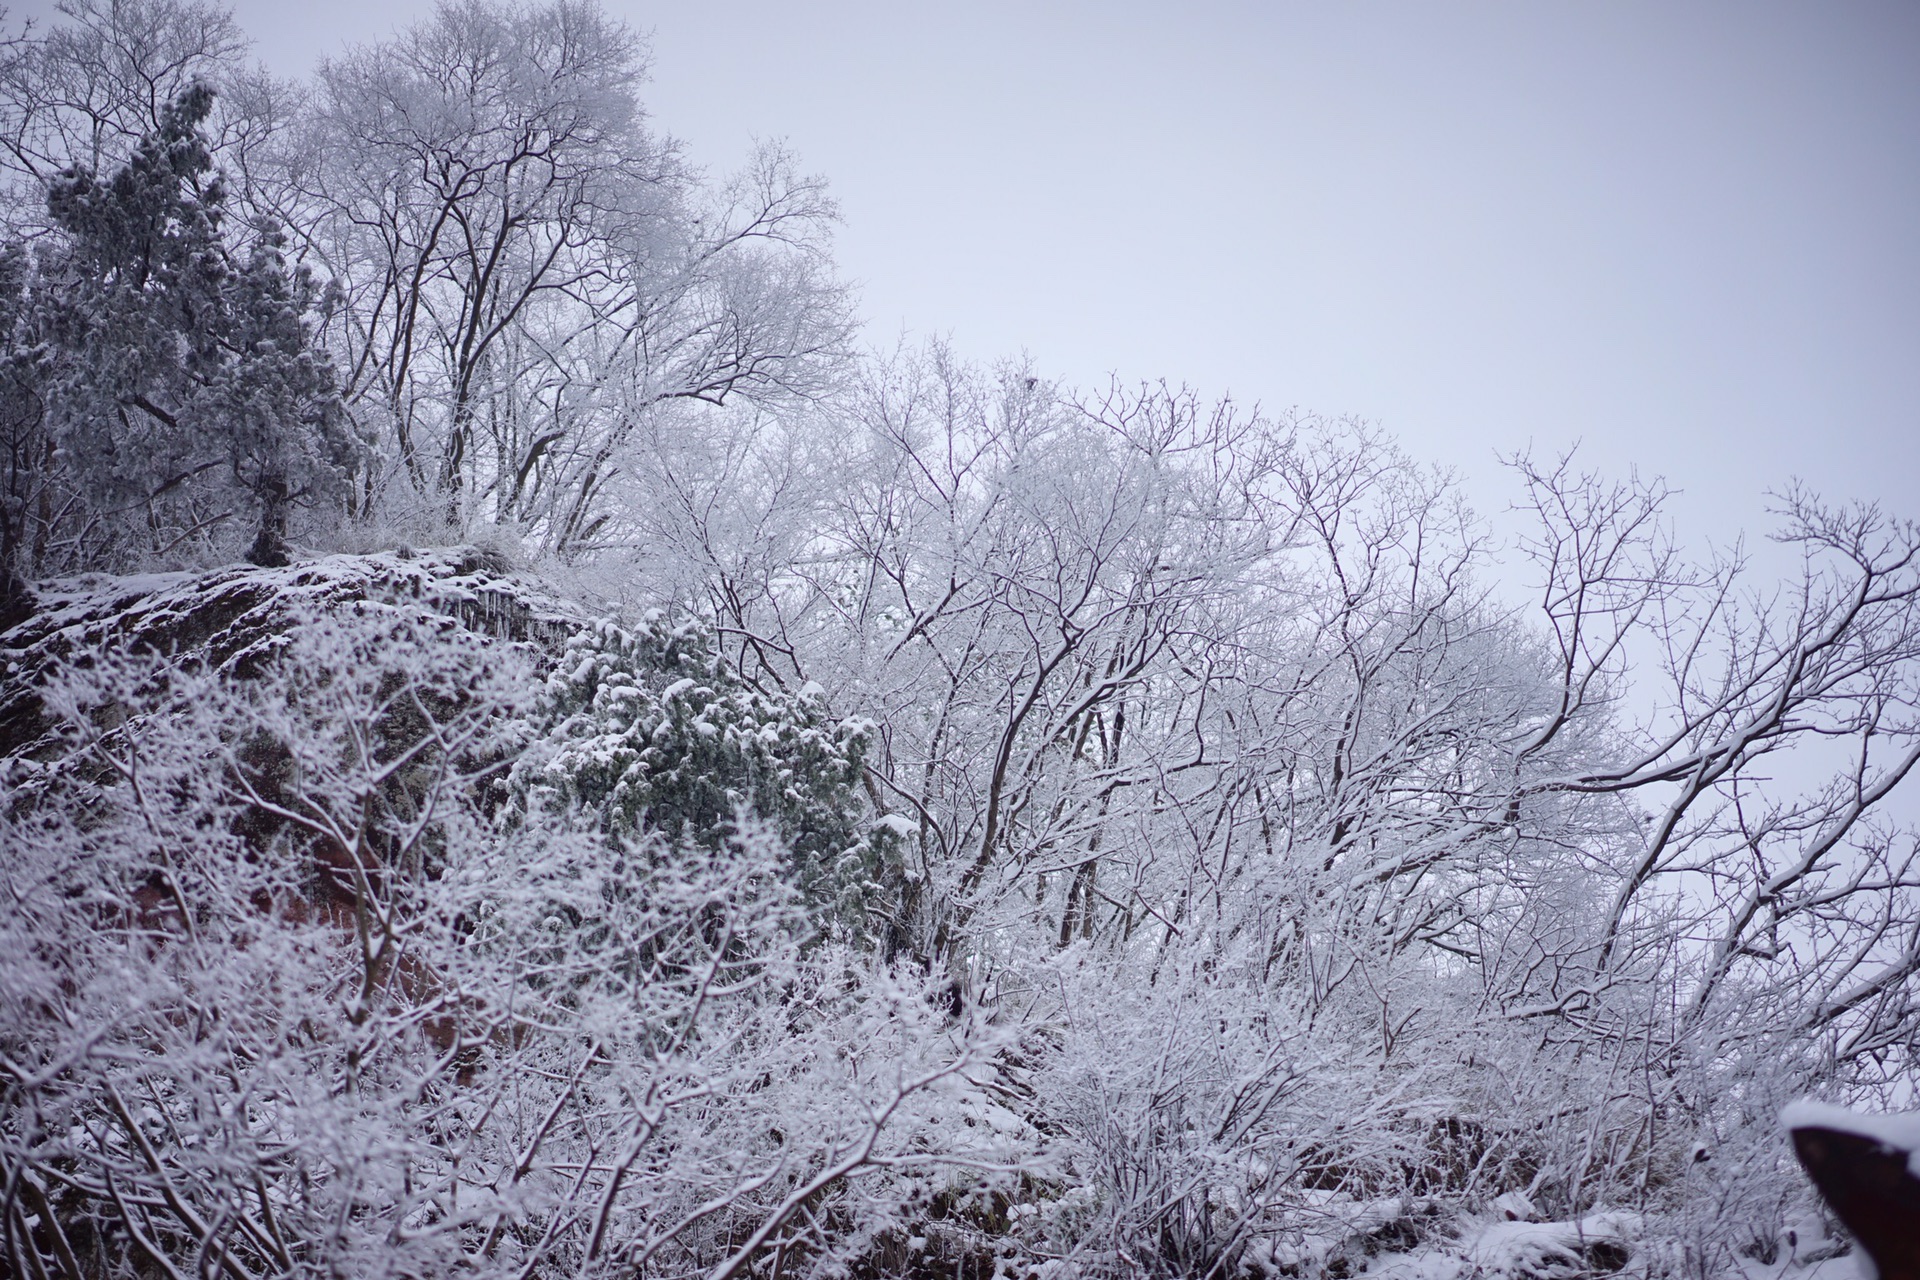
(1686, 233)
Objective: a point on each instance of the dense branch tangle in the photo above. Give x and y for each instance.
(531, 276)
(1164, 688)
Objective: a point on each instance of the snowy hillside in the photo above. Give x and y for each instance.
(815, 811)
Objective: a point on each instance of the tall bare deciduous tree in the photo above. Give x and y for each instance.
(530, 273)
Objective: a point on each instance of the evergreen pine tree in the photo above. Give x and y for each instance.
(183, 386)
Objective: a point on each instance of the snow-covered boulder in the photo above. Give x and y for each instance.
(232, 617)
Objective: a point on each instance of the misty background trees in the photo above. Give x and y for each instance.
(978, 823)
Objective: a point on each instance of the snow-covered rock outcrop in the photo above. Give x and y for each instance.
(231, 617)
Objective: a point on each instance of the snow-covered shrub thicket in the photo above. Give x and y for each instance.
(294, 984)
(1313, 868)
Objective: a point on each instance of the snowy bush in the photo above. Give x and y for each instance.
(650, 729)
(288, 991)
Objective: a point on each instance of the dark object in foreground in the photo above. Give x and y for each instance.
(1863, 1165)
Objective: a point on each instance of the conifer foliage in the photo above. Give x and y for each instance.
(183, 400)
(649, 728)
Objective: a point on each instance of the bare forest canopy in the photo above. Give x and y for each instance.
(528, 752)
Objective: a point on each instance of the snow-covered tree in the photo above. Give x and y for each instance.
(998, 827)
(530, 273)
(652, 729)
(1213, 749)
(84, 89)
(180, 389)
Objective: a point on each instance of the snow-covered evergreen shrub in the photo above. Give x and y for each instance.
(649, 729)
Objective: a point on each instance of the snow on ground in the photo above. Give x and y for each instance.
(1813, 1258)
(1595, 1244)
(1497, 1247)
(233, 613)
